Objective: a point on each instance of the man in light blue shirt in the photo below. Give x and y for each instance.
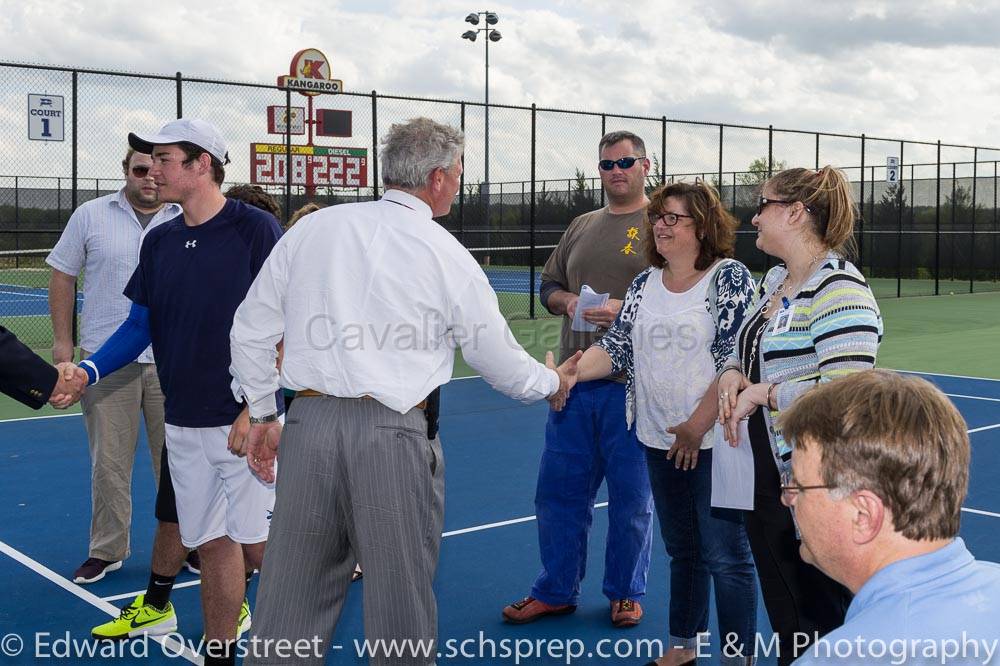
(879, 472)
(101, 241)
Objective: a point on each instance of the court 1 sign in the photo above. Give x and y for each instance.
(46, 120)
(892, 170)
(312, 166)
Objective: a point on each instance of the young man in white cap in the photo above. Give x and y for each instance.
(193, 273)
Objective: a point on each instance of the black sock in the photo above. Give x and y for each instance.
(219, 654)
(246, 590)
(158, 590)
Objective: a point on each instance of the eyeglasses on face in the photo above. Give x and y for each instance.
(669, 219)
(140, 171)
(763, 202)
(623, 163)
(790, 490)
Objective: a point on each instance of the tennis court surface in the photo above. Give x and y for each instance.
(489, 554)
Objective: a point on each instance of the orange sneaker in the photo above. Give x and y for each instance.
(626, 613)
(530, 609)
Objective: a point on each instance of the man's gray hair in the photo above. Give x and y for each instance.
(412, 150)
(611, 138)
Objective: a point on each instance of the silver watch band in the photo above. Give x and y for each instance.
(257, 420)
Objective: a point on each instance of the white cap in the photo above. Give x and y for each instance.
(200, 133)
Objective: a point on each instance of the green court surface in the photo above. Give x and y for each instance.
(944, 334)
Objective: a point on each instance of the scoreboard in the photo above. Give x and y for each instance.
(311, 166)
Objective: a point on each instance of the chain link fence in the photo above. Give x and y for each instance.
(933, 231)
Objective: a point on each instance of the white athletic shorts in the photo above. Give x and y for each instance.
(217, 494)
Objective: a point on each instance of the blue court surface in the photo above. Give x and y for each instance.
(20, 301)
(489, 554)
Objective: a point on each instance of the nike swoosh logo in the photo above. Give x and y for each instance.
(136, 625)
(162, 584)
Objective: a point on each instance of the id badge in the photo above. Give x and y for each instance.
(782, 321)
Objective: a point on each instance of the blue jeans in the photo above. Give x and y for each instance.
(703, 541)
(585, 444)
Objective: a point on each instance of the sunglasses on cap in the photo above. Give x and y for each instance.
(140, 171)
(623, 163)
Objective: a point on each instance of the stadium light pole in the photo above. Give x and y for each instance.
(492, 35)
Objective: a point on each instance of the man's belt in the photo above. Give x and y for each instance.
(310, 393)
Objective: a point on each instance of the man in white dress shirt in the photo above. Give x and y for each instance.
(372, 299)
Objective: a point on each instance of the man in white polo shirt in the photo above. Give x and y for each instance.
(102, 239)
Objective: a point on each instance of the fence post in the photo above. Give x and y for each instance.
(972, 239)
(770, 150)
(531, 223)
(461, 186)
(721, 129)
(861, 210)
(374, 146)
(996, 264)
(937, 224)
(76, 145)
(817, 151)
(604, 130)
(954, 221)
(899, 223)
(663, 150)
(180, 100)
(75, 176)
(17, 222)
(288, 154)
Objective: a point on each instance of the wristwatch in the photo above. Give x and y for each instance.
(258, 420)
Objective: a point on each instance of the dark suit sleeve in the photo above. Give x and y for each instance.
(24, 375)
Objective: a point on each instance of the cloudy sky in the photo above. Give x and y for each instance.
(917, 69)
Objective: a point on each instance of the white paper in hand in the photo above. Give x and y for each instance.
(588, 299)
(732, 471)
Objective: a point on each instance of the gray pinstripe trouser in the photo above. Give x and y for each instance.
(356, 482)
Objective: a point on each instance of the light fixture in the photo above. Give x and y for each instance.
(470, 35)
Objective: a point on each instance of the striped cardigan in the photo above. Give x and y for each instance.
(836, 330)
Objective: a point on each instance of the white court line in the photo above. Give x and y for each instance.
(971, 397)
(981, 513)
(36, 418)
(941, 374)
(92, 599)
(489, 526)
(989, 427)
(131, 595)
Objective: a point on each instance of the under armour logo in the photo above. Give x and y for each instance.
(193, 243)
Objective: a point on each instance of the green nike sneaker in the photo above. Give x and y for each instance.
(139, 618)
(243, 626)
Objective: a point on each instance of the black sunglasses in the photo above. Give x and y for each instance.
(140, 171)
(623, 163)
(763, 202)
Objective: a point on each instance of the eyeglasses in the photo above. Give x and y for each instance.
(790, 490)
(763, 202)
(623, 163)
(669, 219)
(140, 171)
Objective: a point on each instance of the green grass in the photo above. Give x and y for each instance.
(946, 334)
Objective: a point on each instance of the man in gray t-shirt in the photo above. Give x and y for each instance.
(588, 440)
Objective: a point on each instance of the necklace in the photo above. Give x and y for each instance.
(779, 293)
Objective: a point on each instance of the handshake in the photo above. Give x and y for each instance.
(567, 378)
(70, 385)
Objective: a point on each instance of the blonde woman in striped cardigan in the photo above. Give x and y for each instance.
(815, 319)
